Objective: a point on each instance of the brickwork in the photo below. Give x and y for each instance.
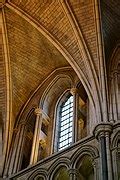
(40, 37)
(85, 16)
(54, 20)
(33, 58)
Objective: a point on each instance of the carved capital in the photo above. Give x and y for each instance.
(38, 111)
(102, 129)
(74, 91)
(74, 172)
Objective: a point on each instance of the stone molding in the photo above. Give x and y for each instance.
(102, 129)
(38, 111)
(74, 91)
(74, 172)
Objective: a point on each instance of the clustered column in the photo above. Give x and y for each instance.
(74, 174)
(15, 158)
(36, 138)
(102, 133)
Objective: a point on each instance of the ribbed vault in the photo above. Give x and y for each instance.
(64, 23)
(32, 57)
(71, 29)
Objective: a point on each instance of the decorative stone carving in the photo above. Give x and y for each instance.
(73, 91)
(74, 174)
(101, 129)
(38, 111)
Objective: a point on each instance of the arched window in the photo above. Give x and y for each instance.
(70, 118)
(65, 123)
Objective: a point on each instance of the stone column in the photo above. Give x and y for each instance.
(74, 174)
(74, 92)
(11, 158)
(102, 133)
(36, 138)
(19, 148)
(96, 169)
(15, 154)
(111, 117)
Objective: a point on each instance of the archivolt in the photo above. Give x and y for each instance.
(115, 140)
(92, 151)
(61, 162)
(38, 173)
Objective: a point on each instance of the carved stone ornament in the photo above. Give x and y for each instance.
(38, 111)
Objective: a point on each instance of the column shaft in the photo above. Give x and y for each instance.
(14, 159)
(74, 174)
(19, 149)
(109, 160)
(102, 132)
(74, 92)
(115, 108)
(104, 158)
(36, 138)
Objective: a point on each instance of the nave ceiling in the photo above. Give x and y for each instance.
(39, 36)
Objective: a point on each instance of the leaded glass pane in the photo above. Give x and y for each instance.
(65, 124)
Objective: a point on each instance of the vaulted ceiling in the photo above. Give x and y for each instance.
(41, 36)
(32, 57)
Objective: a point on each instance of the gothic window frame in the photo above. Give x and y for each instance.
(63, 98)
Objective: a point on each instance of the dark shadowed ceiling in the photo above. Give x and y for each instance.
(110, 11)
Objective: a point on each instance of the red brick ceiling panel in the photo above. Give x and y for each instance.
(110, 11)
(3, 89)
(32, 58)
(53, 18)
(85, 16)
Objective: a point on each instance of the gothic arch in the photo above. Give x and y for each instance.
(38, 173)
(84, 79)
(113, 84)
(61, 162)
(114, 59)
(115, 140)
(84, 150)
(52, 83)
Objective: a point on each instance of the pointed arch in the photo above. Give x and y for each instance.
(92, 151)
(93, 96)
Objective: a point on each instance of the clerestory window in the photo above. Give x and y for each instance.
(65, 123)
